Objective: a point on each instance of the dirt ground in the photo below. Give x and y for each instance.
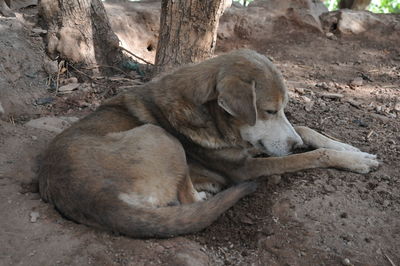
(346, 86)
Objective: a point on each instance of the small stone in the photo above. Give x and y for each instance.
(53, 124)
(68, 88)
(275, 179)
(357, 82)
(39, 31)
(246, 220)
(346, 262)
(1, 110)
(308, 107)
(330, 36)
(299, 90)
(397, 107)
(328, 188)
(323, 85)
(34, 137)
(70, 80)
(51, 67)
(43, 101)
(386, 203)
(333, 96)
(34, 217)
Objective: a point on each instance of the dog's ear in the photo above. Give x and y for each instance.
(238, 98)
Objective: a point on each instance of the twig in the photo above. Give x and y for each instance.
(370, 134)
(58, 75)
(113, 67)
(86, 75)
(387, 257)
(129, 52)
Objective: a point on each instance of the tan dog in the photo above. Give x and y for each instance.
(133, 165)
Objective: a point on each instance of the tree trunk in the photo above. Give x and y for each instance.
(79, 31)
(5, 9)
(188, 31)
(354, 4)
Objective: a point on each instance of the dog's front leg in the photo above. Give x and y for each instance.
(359, 162)
(313, 139)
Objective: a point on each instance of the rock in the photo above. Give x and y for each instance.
(304, 13)
(52, 124)
(396, 107)
(68, 88)
(189, 257)
(330, 36)
(43, 101)
(323, 85)
(51, 67)
(1, 110)
(246, 220)
(328, 188)
(69, 119)
(34, 216)
(308, 107)
(69, 81)
(357, 82)
(333, 96)
(382, 118)
(39, 31)
(275, 179)
(346, 262)
(18, 4)
(354, 103)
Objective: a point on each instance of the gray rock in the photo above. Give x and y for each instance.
(1, 110)
(52, 124)
(34, 216)
(68, 88)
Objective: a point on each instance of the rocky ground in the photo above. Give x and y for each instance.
(344, 84)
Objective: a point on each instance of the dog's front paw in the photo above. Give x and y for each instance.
(340, 146)
(360, 162)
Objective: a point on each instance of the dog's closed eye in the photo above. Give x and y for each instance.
(271, 112)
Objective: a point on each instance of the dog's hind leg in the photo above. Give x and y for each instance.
(206, 180)
(313, 139)
(187, 193)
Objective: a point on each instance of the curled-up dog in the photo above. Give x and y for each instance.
(136, 165)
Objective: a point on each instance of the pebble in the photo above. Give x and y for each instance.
(51, 67)
(70, 80)
(1, 110)
(275, 179)
(396, 107)
(346, 262)
(357, 82)
(43, 101)
(330, 36)
(333, 96)
(39, 31)
(34, 217)
(308, 107)
(68, 88)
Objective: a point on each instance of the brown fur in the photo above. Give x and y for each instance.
(132, 165)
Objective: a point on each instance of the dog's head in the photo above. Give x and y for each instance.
(251, 89)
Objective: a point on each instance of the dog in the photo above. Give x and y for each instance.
(136, 165)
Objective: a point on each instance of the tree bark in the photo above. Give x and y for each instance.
(188, 31)
(79, 31)
(354, 4)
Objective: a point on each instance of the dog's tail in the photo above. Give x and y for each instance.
(175, 220)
